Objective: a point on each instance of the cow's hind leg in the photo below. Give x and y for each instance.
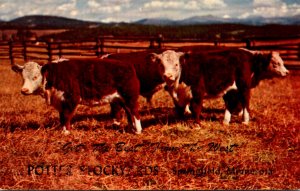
(245, 104)
(116, 111)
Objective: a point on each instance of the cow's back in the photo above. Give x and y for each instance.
(146, 70)
(92, 78)
(216, 70)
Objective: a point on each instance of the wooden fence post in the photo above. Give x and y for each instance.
(298, 51)
(60, 50)
(49, 48)
(24, 50)
(159, 41)
(248, 43)
(99, 46)
(11, 54)
(151, 45)
(216, 43)
(102, 45)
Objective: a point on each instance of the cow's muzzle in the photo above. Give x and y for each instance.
(25, 91)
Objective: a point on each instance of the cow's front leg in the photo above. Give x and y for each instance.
(132, 110)
(246, 116)
(116, 112)
(65, 118)
(65, 121)
(227, 117)
(196, 103)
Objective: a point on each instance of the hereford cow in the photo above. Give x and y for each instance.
(83, 81)
(212, 74)
(148, 71)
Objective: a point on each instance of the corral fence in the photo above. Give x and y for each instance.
(43, 51)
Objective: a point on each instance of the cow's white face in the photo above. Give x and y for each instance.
(276, 65)
(170, 68)
(32, 77)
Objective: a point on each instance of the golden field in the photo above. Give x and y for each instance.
(169, 154)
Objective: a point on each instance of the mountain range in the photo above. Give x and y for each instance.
(39, 21)
(210, 19)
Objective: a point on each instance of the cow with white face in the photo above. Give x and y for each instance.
(32, 77)
(170, 66)
(89, 81)
(276, 66)
(170, 70)
(213, 74)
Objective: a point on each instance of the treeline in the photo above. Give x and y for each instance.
(205, 32)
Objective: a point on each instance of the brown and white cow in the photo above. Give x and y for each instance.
(148, 71)
(83, 81)
(31, 75)
(213, 74)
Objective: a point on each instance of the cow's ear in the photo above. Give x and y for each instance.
(45, 69)
(17, 68)
(179, 54)
(152, 58)
(184, 57)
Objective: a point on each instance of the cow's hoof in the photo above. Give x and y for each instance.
(240, 114)
(116, 123)
(138, 132)
(245, 123)
(66, 132)
(197, 126)
(225, 123)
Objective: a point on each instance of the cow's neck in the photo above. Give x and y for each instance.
(260, 63)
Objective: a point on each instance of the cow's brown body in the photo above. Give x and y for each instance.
(86, 80)
(146, 69)
(210, 74)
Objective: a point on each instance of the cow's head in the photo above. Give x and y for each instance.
(276, 65)
(169, 66)
(31, 74)
(274, 62)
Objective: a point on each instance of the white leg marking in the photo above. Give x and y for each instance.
(232, 87)
(174, 95)
(116, 122)
(227, 117)
(246, 116)
(65, 131)
(137, 125)
(241, 113)
(187, 109)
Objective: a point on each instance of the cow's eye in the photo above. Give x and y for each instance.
(161, 65)
(34, 78)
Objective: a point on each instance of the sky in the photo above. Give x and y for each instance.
(133, 10)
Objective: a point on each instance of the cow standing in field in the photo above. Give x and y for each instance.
(83, 81)
(148, 71)
(213, 74)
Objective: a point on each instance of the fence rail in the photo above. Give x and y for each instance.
(289, 48)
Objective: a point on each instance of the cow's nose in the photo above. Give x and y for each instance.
(25, 90)
(168, 77)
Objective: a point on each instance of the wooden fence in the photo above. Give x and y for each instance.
(289, 48)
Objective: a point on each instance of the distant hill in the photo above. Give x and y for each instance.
(156, 21)
(210, 19)
(53, 22)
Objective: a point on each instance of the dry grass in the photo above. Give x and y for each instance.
(170, 153)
